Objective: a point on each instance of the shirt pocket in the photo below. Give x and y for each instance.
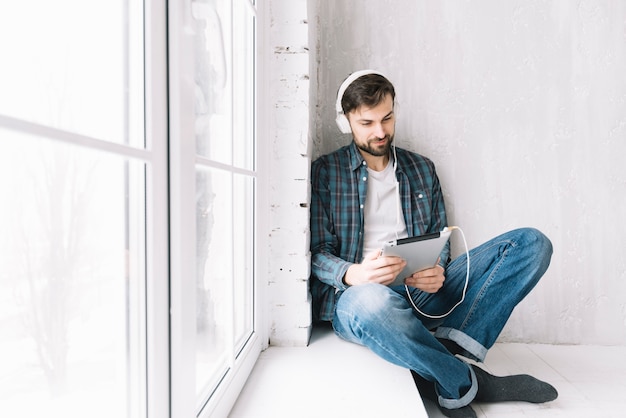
(421, 204)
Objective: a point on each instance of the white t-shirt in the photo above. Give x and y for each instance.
(383, 211)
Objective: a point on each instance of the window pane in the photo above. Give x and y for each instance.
(225, 283)
(74, 65)
(243, 277)
(243, 85)
(214, 232)
(213, 57)
(71, 281)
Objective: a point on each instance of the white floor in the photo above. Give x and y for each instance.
(332, 378)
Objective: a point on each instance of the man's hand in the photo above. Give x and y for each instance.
(429, 280)
(374, 269)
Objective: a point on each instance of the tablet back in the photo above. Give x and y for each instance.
(420, 252)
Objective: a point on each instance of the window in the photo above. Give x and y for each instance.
(221, 163)
(73, 248)
(129, 232)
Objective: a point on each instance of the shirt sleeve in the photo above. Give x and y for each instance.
(325, 263)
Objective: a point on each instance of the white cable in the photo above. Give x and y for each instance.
(464, 288)
(395, 167)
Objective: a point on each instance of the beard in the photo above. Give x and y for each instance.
(377, 151)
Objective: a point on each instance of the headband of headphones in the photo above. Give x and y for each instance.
(342, 120)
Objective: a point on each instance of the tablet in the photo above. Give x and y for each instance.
(420, 252)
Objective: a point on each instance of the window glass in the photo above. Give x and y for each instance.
(243, 88)
(214, 83)
(72, 65)
(225, 282)
(214, 284)
(243, 258)
(71, 280)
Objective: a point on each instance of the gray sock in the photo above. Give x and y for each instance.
(521, 387)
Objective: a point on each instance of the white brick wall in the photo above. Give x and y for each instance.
(289, 259)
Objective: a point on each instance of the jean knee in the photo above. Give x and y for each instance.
(541, 243)
(538, 245)
(366, 302)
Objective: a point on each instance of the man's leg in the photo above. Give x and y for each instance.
(381, 319)
(492, 389)
(503, 271)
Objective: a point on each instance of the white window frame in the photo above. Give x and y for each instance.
(182, 169)
(158, 335)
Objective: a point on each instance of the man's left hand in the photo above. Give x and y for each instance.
(429, 280)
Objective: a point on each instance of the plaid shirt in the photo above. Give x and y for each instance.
(338, 192)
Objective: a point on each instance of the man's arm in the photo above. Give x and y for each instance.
(374, 269)
(325, 263)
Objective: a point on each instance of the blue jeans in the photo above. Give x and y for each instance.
(502, 272)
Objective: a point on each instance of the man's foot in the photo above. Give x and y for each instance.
(521, 387)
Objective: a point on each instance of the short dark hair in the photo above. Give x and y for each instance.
(369, 90)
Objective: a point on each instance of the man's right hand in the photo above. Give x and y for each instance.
(374, 269)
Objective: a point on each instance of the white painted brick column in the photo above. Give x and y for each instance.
(289, 264)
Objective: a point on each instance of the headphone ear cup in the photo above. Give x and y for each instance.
(343, 123)
(341, 119)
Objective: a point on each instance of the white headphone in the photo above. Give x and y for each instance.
(342, 120)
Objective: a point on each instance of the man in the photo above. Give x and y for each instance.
(369, 192)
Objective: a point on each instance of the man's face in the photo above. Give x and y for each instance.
(373, 127)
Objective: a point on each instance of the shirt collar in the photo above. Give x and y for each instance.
(356, 159)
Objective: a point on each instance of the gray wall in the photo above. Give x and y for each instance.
(522, 106)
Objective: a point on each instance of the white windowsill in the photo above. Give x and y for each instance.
(329, 378)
